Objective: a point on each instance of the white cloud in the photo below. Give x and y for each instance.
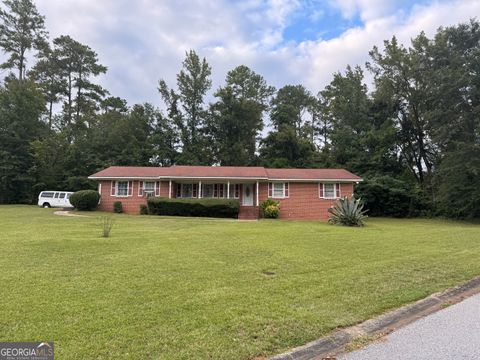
(367, 9)
(145, 40)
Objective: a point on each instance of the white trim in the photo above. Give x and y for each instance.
(123, 178)
(256, 193)
(170, 189)
(336, 196)
(213, 177)
(284, 187)
(143, 193)
(222, 178)
(317, 180)
(116, 189)
(228, 189)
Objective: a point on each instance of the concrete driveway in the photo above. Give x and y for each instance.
(451, 333)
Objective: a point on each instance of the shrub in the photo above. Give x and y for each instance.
(143, 209)
(85, 200)
(271, 212)
(348, 212)
(107, 225)
(222, 208)
(271, 209)
(118, 207)
(386, 196)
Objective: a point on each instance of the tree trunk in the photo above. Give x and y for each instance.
(50, 110)
(21, 64)
(69, 95)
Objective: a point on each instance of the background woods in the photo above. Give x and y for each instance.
(413, 135)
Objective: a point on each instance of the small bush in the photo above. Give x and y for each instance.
(222, 208)
(143, 209)
(271, 212)
(348, 212)
(118, 207)
(271, 209)
(85, 200)
(107, 225)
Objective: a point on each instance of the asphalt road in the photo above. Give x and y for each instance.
(451, 333)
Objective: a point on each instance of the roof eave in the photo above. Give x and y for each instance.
(315, 180)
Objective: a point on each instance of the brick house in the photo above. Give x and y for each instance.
(302, 193)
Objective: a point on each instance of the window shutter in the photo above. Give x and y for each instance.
(140, 188)
(337, 190)
(237, 191)
(157, 188)
(270, 185)
(221, 190)
(320, 190)
(215, 190)
(130, 188)
(194, 190)
(287, 190)
(179, 190)
(112, 191)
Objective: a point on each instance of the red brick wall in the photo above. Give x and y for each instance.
(130, 204)
(303, 202)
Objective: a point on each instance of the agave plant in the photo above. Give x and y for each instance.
(348, 212)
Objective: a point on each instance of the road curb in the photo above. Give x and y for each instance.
(335, 343)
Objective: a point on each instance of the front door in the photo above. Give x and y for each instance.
(247, 195)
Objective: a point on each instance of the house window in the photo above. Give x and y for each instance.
(329, 190)
(148, 188)
(122, 188)
(278, 190)
(207, 190)
(186, 191)
(235, 191)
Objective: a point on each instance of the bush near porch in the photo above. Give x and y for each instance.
(219, 208)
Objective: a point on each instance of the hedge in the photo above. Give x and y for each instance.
(221, 208)
(86, 200)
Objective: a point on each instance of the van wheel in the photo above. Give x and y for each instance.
(46, 205)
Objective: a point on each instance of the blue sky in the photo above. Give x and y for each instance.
(321, 19)
(286, 41)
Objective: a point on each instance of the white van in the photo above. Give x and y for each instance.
(48, 199)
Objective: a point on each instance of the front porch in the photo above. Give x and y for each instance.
(247, 192)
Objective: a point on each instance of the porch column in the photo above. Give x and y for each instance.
(257, 192)
(228, 189)
(199, 189)
(170, 189)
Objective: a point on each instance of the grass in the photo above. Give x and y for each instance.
(183, 288)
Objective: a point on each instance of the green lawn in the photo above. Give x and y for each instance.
(183, 288)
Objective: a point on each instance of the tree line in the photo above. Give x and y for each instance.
(414, 136)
